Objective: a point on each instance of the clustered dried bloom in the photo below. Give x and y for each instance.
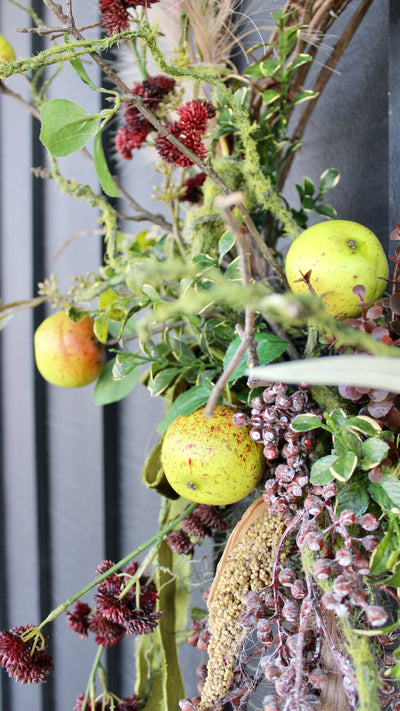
(115, 16)
(189, 129)
(117, 612)
(131, 703)
(78, 620)
(192, 187)
(200, 523)
(23, 659)
(136, 128)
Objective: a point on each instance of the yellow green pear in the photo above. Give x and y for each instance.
(338, 255)
(6, 50)
(68, 354)
(211, 460)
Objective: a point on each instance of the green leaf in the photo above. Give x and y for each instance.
(66, 127)
(77, 65)
(364, 424)
(385, 554)
(225, 244)
(298, 62)
(354, 496)
(101, 167)
(337, 418)
(187, 402)
(308, 202)
(394, 672)
(162, 380)
(233, 271)
(344, 466)
(387, 493)
(100, 327)
(269, 348)
(378, 372)
(305, 95)
(266, 68)
(108, 390)
(308, 186)
(373, 450)
(321, 470)
(270, 96)
(328, 180)
(151, 292)
(124, 364)
(326, 211)
(394, 580)
(305, 423)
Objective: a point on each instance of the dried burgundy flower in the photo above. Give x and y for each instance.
(26, 664)
(131, 703)
(195, 526)
(171, 154)
(179, 541)
(193, 194)
(121, 610)
(78, 620)
(106, 633)
(193, 115)
(114, 13)
(114, 16)
(126, 140)
(98, 706)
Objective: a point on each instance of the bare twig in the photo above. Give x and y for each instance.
(322, 80)
(17, 97)
(143, 214)
(247, 336)
(74, 236)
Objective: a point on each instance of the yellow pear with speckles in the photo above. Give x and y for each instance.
(211, 460)
(334, 257)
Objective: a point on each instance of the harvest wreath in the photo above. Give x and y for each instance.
(280, 439)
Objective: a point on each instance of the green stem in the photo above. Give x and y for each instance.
(140, 60)
(156, 538)
(92, 675)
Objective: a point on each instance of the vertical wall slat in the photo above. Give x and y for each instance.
(40, 415)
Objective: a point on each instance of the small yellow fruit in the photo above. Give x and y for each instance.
(211, 460)
(340, 255)
(68, 354)
(6, 51)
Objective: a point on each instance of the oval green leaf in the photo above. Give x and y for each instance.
(66, 127)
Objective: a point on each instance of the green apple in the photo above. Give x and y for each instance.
(6, 51)
(211, 460)
(338, 255)
(68, 354)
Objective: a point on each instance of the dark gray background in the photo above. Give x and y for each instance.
(70, 491)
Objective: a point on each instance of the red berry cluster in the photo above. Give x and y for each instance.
(136, 128)
(288, 453)
(115, 16)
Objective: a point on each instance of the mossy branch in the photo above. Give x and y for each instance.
(108, 215)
